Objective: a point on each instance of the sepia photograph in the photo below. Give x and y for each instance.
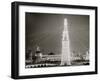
(51, 40)
(54, 40)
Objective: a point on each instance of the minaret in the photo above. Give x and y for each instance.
(65, 57)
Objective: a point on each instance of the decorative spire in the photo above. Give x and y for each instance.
(38, 48)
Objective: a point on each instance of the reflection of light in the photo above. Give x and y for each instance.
(65, 58)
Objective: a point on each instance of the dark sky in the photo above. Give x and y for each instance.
(45, 30)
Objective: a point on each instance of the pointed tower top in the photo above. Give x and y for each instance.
(65, 21)
(65, 24)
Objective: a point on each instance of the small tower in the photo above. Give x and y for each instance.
(38, 54)
(87, 55)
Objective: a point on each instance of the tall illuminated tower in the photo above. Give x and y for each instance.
(66, 56)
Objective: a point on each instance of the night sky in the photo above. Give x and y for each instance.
(45, 30)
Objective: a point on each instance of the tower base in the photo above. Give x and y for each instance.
(65, 63)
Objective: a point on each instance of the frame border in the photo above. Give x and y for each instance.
(15, 39)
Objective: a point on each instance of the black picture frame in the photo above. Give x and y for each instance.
(15, 39)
